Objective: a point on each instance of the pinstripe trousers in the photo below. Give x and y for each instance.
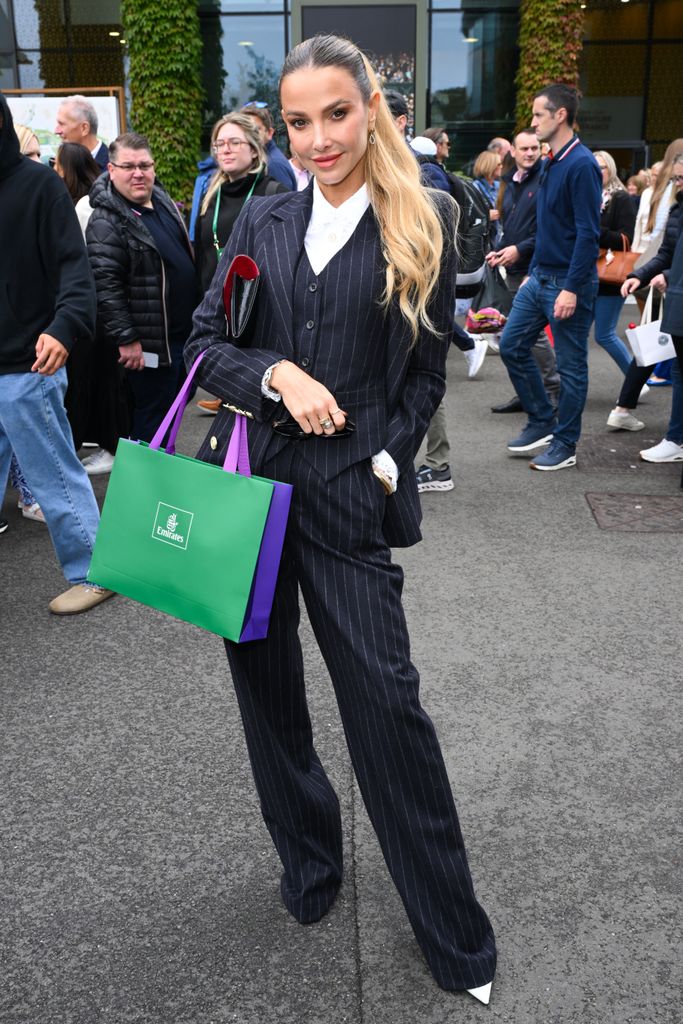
(336, 553)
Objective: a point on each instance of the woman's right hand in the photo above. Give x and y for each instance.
(631, 284)
(308, 401)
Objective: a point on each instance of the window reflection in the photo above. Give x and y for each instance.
(474, 62)
(243, 56)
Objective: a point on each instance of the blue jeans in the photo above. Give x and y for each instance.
(607, 310)
(33, 423)
(675, 429)
(531, 310)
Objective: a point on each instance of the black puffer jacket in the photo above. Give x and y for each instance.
(669, 261)
(129, 272)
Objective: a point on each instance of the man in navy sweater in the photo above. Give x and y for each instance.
(561, 287)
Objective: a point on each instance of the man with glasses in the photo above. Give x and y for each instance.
(279, 166)
(145, 278)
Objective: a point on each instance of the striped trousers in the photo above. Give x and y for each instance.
(336, 554)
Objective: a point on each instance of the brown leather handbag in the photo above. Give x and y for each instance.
(615, 266)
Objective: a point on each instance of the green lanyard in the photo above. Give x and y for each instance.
(217, 246)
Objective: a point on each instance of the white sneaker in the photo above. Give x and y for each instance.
(665, 451)
(623, 421)
(98, 462)
(493, 341)
(475, 356)
(644, 391)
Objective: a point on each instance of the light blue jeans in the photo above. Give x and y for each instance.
(33, 424)
(607, 310)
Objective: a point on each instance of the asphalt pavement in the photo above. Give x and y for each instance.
(139, 883)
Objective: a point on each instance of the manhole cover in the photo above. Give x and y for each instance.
(618, 451)
(637, 513)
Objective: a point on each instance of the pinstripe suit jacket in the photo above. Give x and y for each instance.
(392, 412)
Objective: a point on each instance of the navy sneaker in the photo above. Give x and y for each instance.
(429, 479)
(532, 437)
(558, 456)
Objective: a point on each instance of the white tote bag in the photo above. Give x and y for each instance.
(648, 342)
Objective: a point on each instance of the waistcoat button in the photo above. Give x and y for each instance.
(313, 287)
(305, 361)
(310, 324)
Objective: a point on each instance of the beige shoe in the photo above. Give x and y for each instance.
(80, 598)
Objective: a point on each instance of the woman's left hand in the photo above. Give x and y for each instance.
(310, 403)
(659, 282)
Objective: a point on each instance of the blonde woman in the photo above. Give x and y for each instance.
(656, 201)
(241, 173)
(28, 142)
(617, 220)
(341, 370)
(487, 170)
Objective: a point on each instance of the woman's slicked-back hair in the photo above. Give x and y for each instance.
(410, 229)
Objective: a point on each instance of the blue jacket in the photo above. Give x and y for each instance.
(518, 215)
(568, 216)
(206, 168)
(279, 166)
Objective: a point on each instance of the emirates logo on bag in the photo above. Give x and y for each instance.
(172, 525)
(663, 339)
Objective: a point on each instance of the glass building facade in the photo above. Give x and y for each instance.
(455, 60)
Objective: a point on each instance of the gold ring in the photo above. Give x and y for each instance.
(326, 423)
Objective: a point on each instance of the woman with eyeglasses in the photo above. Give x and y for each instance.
(345, 355)
(241, 173)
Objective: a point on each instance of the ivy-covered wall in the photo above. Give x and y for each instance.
(550, 38)
(165, 54)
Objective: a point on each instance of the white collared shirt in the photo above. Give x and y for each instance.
(330, 227)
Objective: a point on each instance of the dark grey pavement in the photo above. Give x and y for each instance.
(139, 884)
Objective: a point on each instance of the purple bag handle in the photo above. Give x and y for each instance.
(237, 455)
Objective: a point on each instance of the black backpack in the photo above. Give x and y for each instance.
(473, 240)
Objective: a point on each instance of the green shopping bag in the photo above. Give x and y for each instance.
(181, 535)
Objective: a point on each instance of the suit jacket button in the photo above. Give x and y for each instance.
(310, 324)
(305, 361)
(214, 444)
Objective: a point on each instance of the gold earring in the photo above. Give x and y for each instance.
(371, 138)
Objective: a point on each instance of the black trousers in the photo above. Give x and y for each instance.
(336, 554)
(153, 392)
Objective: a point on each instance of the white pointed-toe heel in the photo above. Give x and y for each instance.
(483, 993)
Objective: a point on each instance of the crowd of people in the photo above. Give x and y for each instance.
(543, 232)
(368, 247)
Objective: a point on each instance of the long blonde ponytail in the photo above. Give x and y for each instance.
(411, 231)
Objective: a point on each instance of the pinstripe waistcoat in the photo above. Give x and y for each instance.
(333, 327)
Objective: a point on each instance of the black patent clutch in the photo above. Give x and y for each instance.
(239, 293)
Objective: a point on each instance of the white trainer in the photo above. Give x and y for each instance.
(623, 421)
(475, 356)
(98, 462)
(665, 451)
